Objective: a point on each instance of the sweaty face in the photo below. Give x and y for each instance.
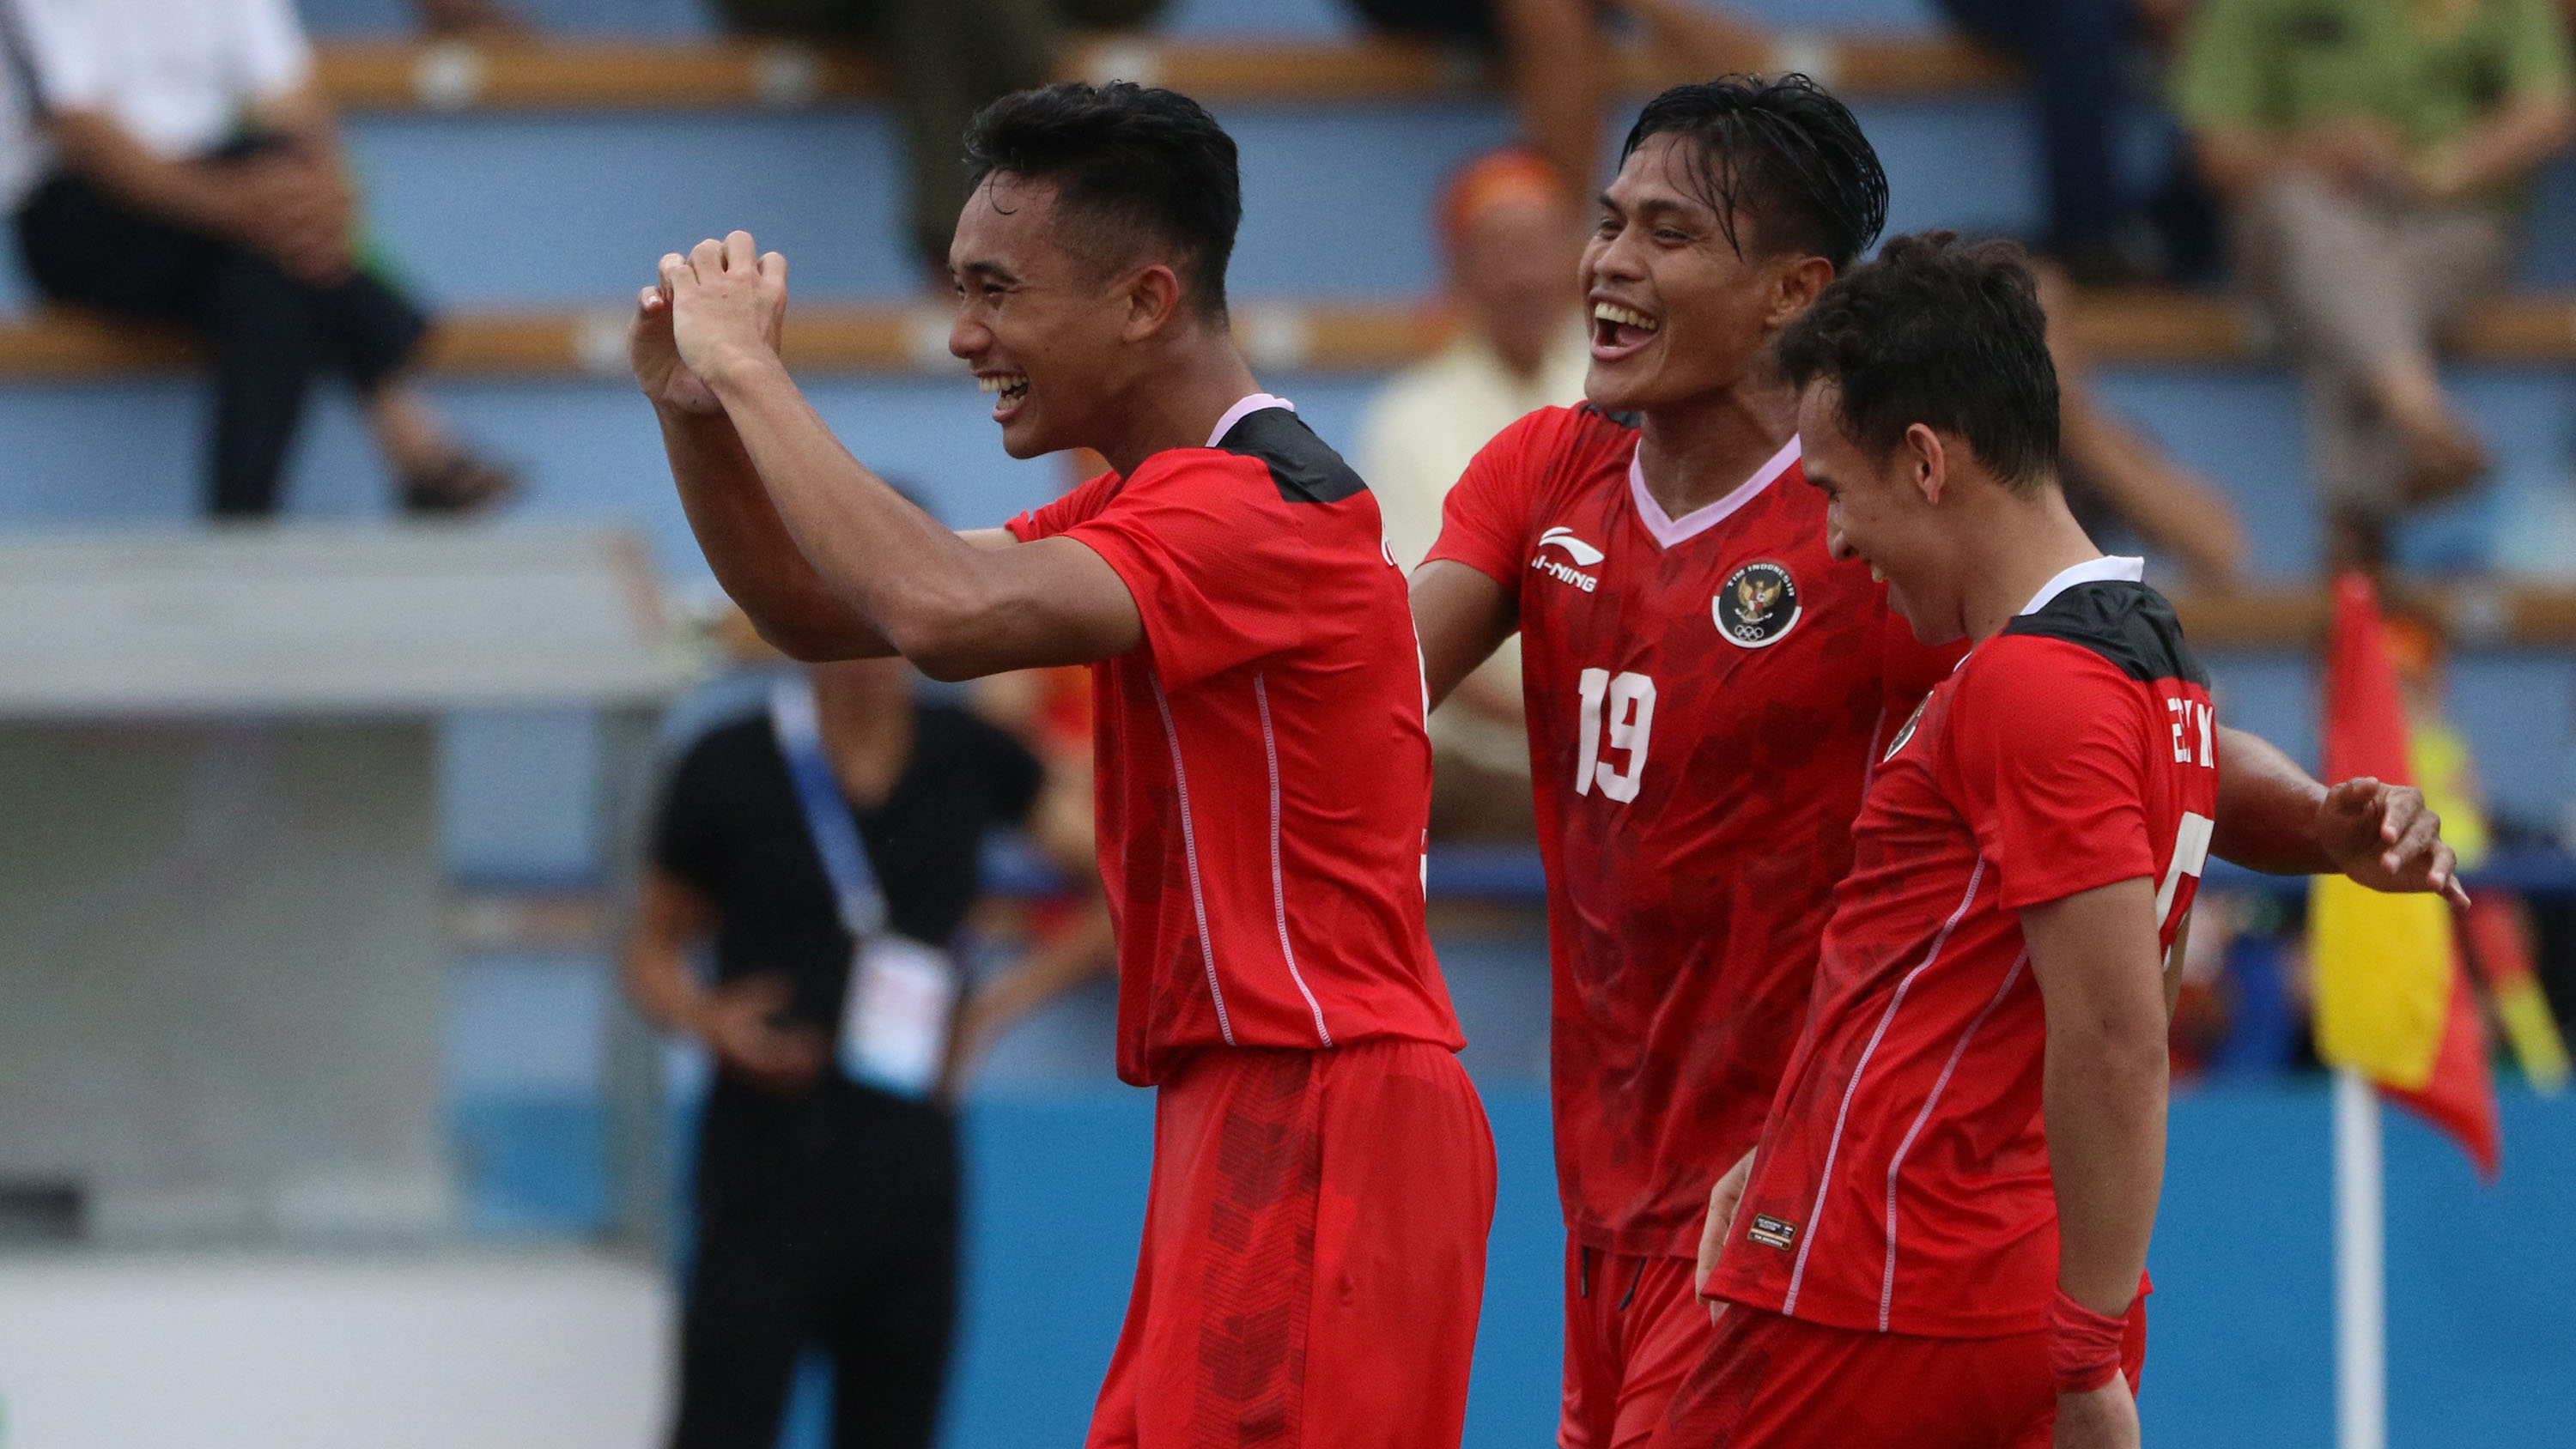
(1874, 513)
(1676, 313)
(1038, 321)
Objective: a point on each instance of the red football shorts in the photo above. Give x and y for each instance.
(1314, 1254)
(1633, 1330)
(1770, 1382)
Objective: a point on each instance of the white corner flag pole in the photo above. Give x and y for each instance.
(2361, 1268)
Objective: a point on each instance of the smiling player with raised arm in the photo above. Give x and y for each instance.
(1323, 1179)
(1707, 691)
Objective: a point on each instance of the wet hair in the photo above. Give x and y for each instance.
(1943, 333)
(1783, 154)
(1131, 164)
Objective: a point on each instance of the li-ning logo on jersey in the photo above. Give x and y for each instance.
(1757, 605)
(1575, 549)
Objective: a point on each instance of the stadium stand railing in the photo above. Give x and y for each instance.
(451, 75)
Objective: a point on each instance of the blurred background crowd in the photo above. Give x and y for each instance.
(290, 273)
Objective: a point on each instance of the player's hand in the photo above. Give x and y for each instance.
(728, 306)
(2385, 837)
(2105, 1418)
(739, 1023)
(655, 356)
(1718, 1228)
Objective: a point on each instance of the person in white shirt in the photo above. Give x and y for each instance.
(179, 166)
(1512, 242)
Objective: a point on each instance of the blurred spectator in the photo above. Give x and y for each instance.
(469, 19)
(184, 169)
(829, 849)
(2371, 154)
(948, 58)
(1512, 244)
(2117, 479)
(1557, 57)
(2074, 53)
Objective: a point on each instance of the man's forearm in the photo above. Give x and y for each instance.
(749, 547)
(2095, 958)
(2267, 809)
(102, 152)
(2504, 148)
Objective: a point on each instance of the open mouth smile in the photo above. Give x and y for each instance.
(1619, 330)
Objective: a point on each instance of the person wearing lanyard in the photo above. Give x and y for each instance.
(827, 846)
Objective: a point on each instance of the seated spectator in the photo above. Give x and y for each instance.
(2073, 52)
(184, 169)
(2371, 155)
(948, 58)
(1512, 245)
(1557, 58)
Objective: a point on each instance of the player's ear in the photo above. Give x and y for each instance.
(1927, 462)
(1153, 300)
(1796, 285)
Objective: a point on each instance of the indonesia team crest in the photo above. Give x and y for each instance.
(1757, 606)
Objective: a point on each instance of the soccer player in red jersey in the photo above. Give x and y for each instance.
(1708, 691)
(1942, 1239)
(1323, 1180)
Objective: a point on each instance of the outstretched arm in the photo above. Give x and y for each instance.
(840, 562)
(1461, 617)
(2274, 817)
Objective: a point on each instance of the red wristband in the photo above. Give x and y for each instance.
(2084, 1347)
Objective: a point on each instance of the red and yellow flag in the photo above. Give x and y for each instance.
(2392, 998)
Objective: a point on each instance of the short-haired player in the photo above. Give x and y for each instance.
(1323, 1178)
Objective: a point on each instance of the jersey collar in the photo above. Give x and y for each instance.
(2112, 567)
(1235, 414)
(1669, 531)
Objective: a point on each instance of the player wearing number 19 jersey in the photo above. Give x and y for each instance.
(1705, 694)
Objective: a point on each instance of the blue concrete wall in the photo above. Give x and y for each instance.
(2482, 1327)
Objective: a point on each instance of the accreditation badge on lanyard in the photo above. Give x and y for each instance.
(902, 999)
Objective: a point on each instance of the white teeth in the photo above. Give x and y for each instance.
(1626, 317)
(1002, 382)
(1875, 576)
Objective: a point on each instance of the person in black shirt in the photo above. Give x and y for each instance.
(827, 1191)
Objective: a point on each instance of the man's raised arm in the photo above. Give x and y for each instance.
(840, 563)
(1460, 617)
(2273, 817)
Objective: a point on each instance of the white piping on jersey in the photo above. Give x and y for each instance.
(2106, 569)
(1834, 1147)
(1278, 889)
(1190, 851)
(1887, 1281)
(1669, 531)
(1242, 408)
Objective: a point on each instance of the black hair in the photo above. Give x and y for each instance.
(1131, 161)
(1783, 153)
(1942, 333)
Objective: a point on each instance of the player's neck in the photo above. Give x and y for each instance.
(869, 742)
(1178, 402)
(2012, 554)
(1695, 454)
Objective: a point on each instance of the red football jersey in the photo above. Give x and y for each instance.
(1903, 1180)
(1703, 695)
(1263, 777)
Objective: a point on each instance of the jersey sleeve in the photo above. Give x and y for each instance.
(2050, 755)
(1213, 557)
(1485, 521)
(1054, 518)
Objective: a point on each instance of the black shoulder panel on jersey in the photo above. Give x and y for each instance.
(2127, 623)
(1625, 420)
(1304, 467)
